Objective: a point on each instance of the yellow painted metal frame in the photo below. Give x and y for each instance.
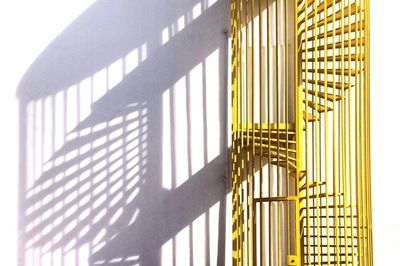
(301, 189)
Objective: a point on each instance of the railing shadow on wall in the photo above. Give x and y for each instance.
(122, 138)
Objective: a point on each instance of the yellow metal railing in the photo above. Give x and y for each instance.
(300, 132)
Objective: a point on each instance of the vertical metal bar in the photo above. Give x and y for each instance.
(366, 22)
(287, 227)
(250, 162)
(261, 238)
(246, 112)
(358, 171)
(334, 134)
(361, 170)
(306, 137)
(326, 164)
(316, 135)
(270, 189)
(362, 167)
(235, 224)
(237, 139)
(240, 121)
(299, 126)
(253, 157)
(244, 17)
(339, 125)
(277, 128)
(350, 141)
(244, 161)
(366, 138)
(318, 100)
(342, 126)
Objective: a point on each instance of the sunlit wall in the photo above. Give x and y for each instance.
(118, 110)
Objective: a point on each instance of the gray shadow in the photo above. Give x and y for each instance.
(101, 191)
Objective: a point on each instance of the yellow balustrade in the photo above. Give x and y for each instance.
(301, 187)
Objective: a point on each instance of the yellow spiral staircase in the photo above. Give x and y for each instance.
(300, 132)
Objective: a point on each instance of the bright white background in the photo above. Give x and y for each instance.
(18, 49)
(385, 126)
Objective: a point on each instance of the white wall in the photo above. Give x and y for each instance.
(385, 118)
(113, 135)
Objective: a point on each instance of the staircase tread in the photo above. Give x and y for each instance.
(316, 106)
(337, 58)
(322, 195)
(339, 226)
(358, 26)
(311, 185)
(272, 140)
(275, 155)
(330, 262)
(335, 85)
(283, 164)
(341, 206)
(311, 117)
(321, 94)
(334, 236)
(336, 45)
(337, 16)
(338, 72)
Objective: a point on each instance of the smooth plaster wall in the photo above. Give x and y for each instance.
(118, 109)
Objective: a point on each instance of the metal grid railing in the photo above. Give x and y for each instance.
(300, 132)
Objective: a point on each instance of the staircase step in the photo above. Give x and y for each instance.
(358, 26)
(265, 133)
(338, 15)
(336, 45)
(312, 185)
(319, 9)
(321, 196)
(333, 236)
(337, 58)
(330, 84)
(338, 72)
(332, 262)
(266, 147)
(331, 246)
(281, 156)
(292, 166)
(318, 107)
(339, 206)
(311, 117)
(303, 7)
(273, 143)
(315, 11)
(334, 254)
(331, 216)
(334, 227)
(302, 174)
(329, 96)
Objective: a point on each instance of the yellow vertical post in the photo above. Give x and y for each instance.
(261, 176)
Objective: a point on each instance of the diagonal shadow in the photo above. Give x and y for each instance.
(99, 197)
